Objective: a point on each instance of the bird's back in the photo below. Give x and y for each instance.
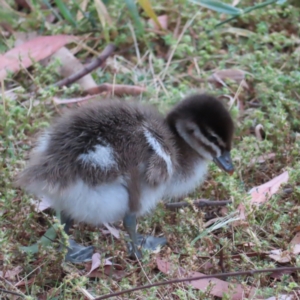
(97, 143)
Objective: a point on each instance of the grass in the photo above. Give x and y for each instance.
(270, 53)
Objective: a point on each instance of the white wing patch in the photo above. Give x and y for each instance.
(42, 142)
(157, 147)
(102, 157)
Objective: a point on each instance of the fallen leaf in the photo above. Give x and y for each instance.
(163, 21)
(261, 159)
(26, 282)
(296, 249)
(264, 192)
(280, 256)
(108, 270)
(233, 74)
(70, 65)
(73, 100)
(296, 239)
(96, 262)
(114, 231)
(241, 209)
(117, 89)
(10, 274)
(295, 243)
(25, 54)
(279, 274)
(218, 286)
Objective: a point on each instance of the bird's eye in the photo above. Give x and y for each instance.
(213, 139)
(190, 130)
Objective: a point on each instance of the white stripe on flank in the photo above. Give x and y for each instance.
(102, 157)
(154, 143)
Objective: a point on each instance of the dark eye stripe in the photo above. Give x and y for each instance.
(208, 149)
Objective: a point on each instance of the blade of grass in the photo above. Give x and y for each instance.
(147, 7)
(133, 10)
(65, 12)
(247, 10)
(218, 6)
(57, 15)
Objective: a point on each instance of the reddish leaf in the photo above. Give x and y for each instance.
(295, 243)
(73, 100)
(115, 232)
(163, 21)
(261, 159)
(233, 74)
(96, 262)
(10, 274)
(36, 49)
(263, 193)
(280, 256)
(218, 287)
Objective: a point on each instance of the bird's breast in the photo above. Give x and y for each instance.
(182, 184)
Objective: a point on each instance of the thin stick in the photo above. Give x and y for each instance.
(11, 293)
(198, 203)
(108, 50)
(221, 275)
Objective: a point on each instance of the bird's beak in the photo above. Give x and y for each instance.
(224, 162)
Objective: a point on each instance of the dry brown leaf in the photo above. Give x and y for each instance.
(218, 286)
(233, 74)
(295, 243)
(73, 100)
(261, 159)
(36, 49)
(114, 231)
(263, 193)
(117, 89)
(97, 262)
(108, 270)
(296, 239)
(163, 21)
(280, 256)
(241, 209)
(10, 274)
(70, 65)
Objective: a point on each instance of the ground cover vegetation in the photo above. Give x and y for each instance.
(163, 52)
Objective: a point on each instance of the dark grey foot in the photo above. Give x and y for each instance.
(78, 253)
(148, 242)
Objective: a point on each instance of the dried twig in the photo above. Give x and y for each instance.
(198, 203)
(117, 89)
(108, 50)
(220, 275)
(11, 293)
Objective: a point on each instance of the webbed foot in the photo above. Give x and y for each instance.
(78, 253)
(148, 242)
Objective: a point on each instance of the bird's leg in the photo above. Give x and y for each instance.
(146, 242)
(129, 223)
(76, 253)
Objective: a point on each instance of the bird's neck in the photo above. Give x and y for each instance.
(187, 157)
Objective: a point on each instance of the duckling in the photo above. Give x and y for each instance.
(113, 160)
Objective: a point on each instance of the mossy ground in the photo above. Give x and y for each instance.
(268, 50)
